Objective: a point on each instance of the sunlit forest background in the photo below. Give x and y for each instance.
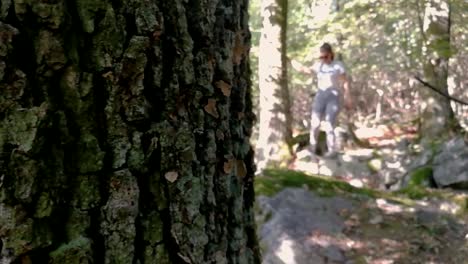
(401, 136)
(383, 44)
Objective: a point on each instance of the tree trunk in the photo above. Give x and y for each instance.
(275, 126)
(437, 114)
(124, 132)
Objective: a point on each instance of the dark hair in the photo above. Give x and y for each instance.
(327, 48)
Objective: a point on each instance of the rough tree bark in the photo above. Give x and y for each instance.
(437, 113)
(275, 124)
(124, 132)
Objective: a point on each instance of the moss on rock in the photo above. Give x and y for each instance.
(421, 177)
(274, 181)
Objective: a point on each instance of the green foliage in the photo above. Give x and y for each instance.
(382, 44)
(377, 36)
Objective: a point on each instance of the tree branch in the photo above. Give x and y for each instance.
(446, 95)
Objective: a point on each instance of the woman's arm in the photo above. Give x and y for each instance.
(300, 67)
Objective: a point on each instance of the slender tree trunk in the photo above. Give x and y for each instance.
(437, 113)
(275, 129)
(124, 132)
(286, 95)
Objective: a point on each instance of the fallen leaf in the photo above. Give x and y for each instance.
(173, 117)
(376, 220)
(317, 232)
(115, 183)
(210, 108)
(241, 169)
(343, 212)
(228, 165)
(225, 87)
(219, 134)
(171, 176)
(157, 34)
(211, 63)
(109, 76)
(240, 49)
(352, 221)
(354, 217)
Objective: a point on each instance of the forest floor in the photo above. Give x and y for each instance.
(315, 219)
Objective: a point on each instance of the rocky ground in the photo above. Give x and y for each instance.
(371, 205)
(393, 165)
(318, 220)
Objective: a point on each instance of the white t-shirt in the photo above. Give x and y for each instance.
(328, 74)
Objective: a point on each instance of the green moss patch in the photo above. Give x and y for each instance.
(421, 177)
(274, 180)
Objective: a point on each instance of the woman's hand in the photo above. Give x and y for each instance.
(296, 65)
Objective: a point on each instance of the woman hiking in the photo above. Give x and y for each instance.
(331, 77)
(332, 84)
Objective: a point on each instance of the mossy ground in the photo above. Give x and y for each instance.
(274, 180)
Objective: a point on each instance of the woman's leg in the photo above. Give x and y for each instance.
(318, 109)
(332, 109)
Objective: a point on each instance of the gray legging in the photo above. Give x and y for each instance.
(326, 102)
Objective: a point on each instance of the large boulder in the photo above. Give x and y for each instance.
(291, 219)
(419, 173)
(451, 164)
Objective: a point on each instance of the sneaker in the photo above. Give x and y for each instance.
(314, 158)
(330, 154)
(312, 149)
